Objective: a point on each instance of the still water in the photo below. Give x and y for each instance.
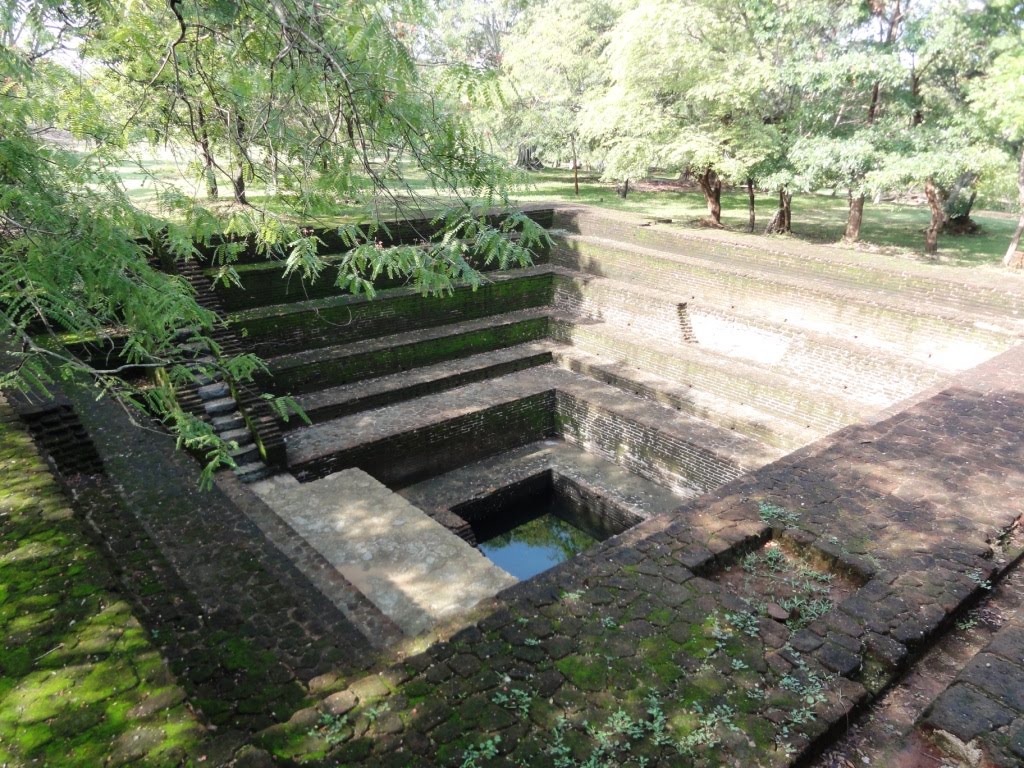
(536, 545)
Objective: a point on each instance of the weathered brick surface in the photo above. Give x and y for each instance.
(973, 292)
(283, 328)
(912, 504)
(984, 705)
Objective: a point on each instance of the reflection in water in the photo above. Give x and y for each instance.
(540, 543)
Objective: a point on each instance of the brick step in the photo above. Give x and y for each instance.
(929, 335)
(374, 393)
(281, 328)
(241, 436)
(437, 496)
(221, 406)
(213, 390)
(252, 471)
(735, 381)
(322, 368)
(407, 442)
(264, 283)
(771, 430)
(866, 375)
(951, 287)
(228, 421)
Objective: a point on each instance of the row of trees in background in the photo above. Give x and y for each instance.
(782, 96)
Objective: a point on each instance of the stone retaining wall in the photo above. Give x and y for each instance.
(285, 328)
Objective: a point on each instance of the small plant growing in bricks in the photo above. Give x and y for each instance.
(515, 700)
(331, 728)
(809, 688)
(775, 515)
(978, 578)
(745, 622)
(486, 750)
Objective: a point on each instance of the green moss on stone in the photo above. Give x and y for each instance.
(585, 672)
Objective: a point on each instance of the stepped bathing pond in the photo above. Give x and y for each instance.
(664, 497)
(628, 370)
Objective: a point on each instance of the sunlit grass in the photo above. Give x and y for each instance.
(887, 228)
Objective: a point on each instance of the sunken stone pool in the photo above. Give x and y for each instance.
(532, 525)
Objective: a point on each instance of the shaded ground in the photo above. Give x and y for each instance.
(888, 733)
(81, 681)
(892, 228)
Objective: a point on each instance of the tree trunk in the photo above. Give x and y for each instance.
(781, 222)
(238, 186)
(204, 149)
(622, 189)
(957, 209)
(931, 235)
(751, 210)
(854, 220)
(525, 158)
(1015, 258)
(711, 186)
(575, 166)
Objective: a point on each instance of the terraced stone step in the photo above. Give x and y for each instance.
(676, 450)
(282, 328)
(870, 376)
(1001, 296)
(415, 439)
(771, 430)
(437, 496)
(322, 368)
(264, 283)
(410, 441)
(365, 394)
(735, 381)
(933, 336)
(418, 574)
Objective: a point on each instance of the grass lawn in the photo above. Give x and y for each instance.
(887, 227)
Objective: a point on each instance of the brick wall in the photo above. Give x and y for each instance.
(652, 454)
(415, 455)
(345, 319)
(317, 373)
(934, 337)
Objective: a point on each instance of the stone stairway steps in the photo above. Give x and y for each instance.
(282, 328)
(409, 441)
(782, 434)
(956, 289)
(931, 335)
(872, 376)
(365, 394)
(735, 381)
(322, 368)
(406, 442)
(264, 283)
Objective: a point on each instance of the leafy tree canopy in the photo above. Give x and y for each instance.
(316, 104)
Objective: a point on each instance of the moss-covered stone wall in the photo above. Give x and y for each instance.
(281, 329)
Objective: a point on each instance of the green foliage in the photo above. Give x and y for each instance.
(774, 514)
(486, 750)
(314, 107)
(515, 700)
